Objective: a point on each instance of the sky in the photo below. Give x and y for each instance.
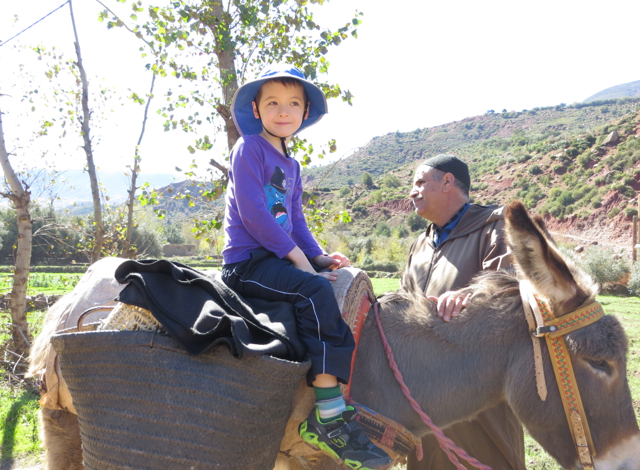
(414, 65)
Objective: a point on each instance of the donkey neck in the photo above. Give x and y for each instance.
(454, 370)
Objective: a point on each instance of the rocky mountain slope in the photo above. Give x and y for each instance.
(578, 167)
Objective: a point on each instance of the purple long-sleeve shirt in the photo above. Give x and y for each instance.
(264, 203)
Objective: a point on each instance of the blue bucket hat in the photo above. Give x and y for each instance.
(242, 109)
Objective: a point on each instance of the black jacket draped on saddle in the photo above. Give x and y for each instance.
(200, 311)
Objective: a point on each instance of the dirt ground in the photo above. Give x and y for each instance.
(21, 464)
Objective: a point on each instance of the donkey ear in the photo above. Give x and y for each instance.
(537, 256)
(539, 221)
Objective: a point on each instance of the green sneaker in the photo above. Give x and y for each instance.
(344, 440)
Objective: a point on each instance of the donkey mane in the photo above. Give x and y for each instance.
(415, 315)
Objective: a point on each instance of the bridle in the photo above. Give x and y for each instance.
(543, 323)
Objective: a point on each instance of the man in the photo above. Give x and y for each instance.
(462, 240)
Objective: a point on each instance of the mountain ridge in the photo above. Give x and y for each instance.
(623, 90)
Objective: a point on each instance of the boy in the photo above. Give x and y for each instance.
(269, 252)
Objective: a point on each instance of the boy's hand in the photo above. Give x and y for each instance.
(333, 261)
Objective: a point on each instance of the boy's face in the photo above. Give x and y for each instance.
(281, 108)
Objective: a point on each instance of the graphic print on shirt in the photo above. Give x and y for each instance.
(276, 190)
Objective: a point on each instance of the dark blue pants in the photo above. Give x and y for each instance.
(319, 323)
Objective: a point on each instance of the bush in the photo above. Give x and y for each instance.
(359, 211)
(345, 191)
(391, 181)
(415, 222)
(402, 231)
(634, 280)
(535, 170)
(630, 212)
(387, 267)
(382, 230)
(572, 152)
(555, 193)
(367, 179)
(603, 265)
(566, 198)
(558, 168)
(615, 211)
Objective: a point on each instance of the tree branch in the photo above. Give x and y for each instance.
(126, 27)
(223, 169)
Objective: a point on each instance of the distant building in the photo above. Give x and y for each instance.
(174, 249)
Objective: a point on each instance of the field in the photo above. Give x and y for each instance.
(20, 441)
(45, 283)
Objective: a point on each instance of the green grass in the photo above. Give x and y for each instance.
(19, 409)
(46, 283)
(380, 286)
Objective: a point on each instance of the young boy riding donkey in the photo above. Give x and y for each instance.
(270, 253)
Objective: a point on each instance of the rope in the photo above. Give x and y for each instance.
(13, 37)
(446, 444)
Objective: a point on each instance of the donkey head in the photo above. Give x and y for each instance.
(538, 259)
(598, 353)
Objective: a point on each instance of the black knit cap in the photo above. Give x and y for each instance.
(451, 164)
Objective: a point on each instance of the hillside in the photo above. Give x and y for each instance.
(619, 91)
(487, 135)
(577, 167)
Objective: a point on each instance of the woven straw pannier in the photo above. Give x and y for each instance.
(143, 403)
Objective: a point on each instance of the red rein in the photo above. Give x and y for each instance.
(446, 444)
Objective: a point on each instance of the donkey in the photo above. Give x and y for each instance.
(483, 357)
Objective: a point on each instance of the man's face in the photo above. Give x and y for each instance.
(426, 192)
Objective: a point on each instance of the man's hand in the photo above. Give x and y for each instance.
(451, 303)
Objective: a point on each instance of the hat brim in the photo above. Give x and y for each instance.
(242, 109)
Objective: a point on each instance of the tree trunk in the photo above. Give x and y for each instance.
(20, 197)
(226, 66)
(127, 250)
(84, 121)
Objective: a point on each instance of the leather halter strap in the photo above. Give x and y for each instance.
(553, 329)
(530, 306)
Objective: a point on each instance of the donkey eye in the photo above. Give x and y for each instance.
(600, 365)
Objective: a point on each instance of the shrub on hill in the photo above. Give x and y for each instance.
(345, 191)
(604, 265)
(535, 170)
(382, 230)
(401, 231)
(391, 181)
(415, 222)
(634, 280)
